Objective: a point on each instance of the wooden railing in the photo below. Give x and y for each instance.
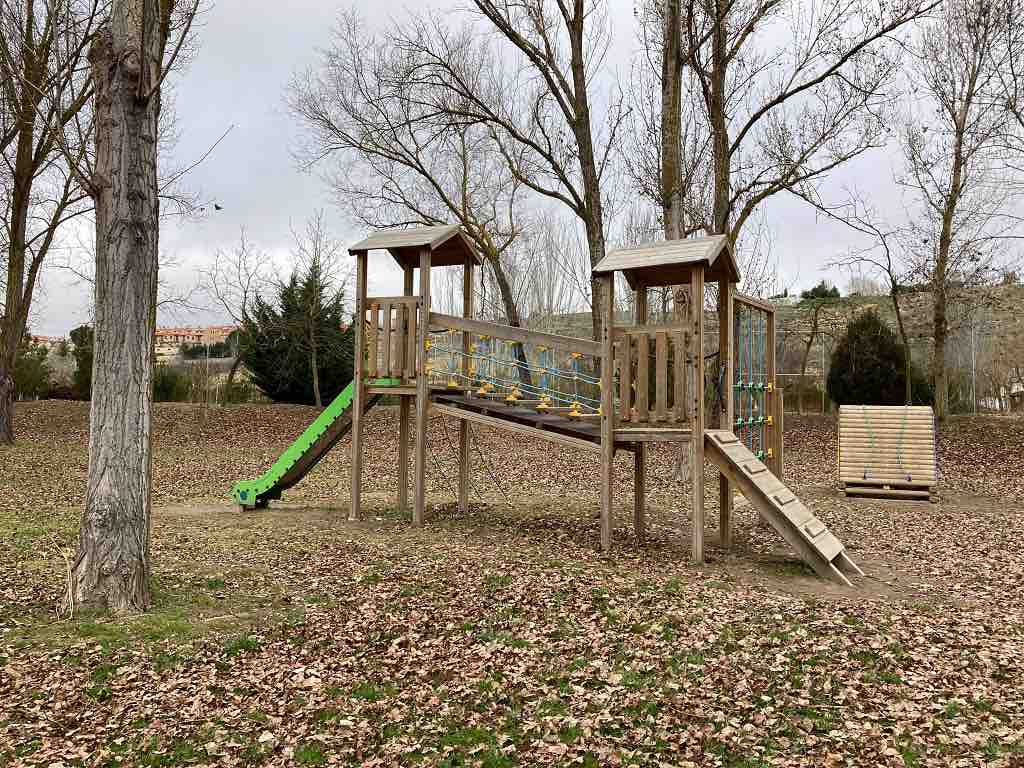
(391, 337)
(653, 364)
(587, 347)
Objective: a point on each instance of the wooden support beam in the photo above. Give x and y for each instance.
(422, 393)
(405, 400)
(512, 426)
(725, 416)
(358, 404)
(464, 455)
(697, 395)
(652, 435)
(775, 429)
(607, 305)
(640, 452)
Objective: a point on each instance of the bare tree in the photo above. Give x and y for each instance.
(111, 569)
(816, 323)
(392, 164)
(44, 87)
(884, 259)
(232, 281)
(320, 261)
(779, 116)
(960, 148)
(539, 110)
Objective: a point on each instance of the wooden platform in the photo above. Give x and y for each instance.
(584, 434)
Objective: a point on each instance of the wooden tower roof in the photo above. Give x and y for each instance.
(669, 262)
(449, 245)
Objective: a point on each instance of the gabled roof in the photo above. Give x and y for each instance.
(669, 262)
(448, 244)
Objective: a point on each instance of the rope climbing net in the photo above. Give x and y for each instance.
(530, 375)
(751, 383)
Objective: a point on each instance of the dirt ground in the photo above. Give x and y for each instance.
(503, 636)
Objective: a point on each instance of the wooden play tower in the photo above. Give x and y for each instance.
(641, 383)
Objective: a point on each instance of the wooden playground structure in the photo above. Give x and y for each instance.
(639, 384)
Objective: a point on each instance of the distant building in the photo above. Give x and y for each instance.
(51, 342)
(169, 340)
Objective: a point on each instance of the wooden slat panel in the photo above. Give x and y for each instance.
(386, 339)
(376, 302)
(661, 375)
(411, 343)
(679, 383)
(398, 356)
(642, 379)
(625, 379)
(371, 345)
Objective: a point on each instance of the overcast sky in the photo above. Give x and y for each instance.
(248, 49)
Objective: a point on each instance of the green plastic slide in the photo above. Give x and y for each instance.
(301, 456)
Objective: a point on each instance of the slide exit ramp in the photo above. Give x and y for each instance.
(813, 541)
(333, 423)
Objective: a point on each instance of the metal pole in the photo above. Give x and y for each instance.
(974, 391)
(821, 341)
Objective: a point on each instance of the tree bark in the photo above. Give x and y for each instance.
(6, 406)
(16, 302)
(671, 109)
(719, 124)
(111, 570)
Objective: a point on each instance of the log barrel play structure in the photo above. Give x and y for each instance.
(638, 384)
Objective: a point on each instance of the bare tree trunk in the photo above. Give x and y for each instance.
(508, 301)
(907, 362)
(15, 311)
(719, 124)
(315, 370)
(671, 108)
(6, 405)
(803, 372)
(939, 353)
(111, 570)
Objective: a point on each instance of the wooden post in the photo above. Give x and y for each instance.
(422, 390)
(640, 455)
(780, 424)
(607, 306)
(697, 444)
(726, 415)
(359, 387)
(404, 401)
(464, 455)
(776, 425)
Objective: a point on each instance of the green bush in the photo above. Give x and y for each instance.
(868, 367)
(170, 385)
(81, 382)
(31, 373)
(275, 341)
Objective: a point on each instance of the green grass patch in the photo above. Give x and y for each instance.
(239, 644)
(367, 691)
(310, 753)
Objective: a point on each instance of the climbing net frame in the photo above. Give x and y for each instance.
(754, 377)
(544, 377)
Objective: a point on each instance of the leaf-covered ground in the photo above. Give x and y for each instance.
(502, 637)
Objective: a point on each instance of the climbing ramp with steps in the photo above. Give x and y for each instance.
(810, 537)
(333, 423)
(888, 451)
